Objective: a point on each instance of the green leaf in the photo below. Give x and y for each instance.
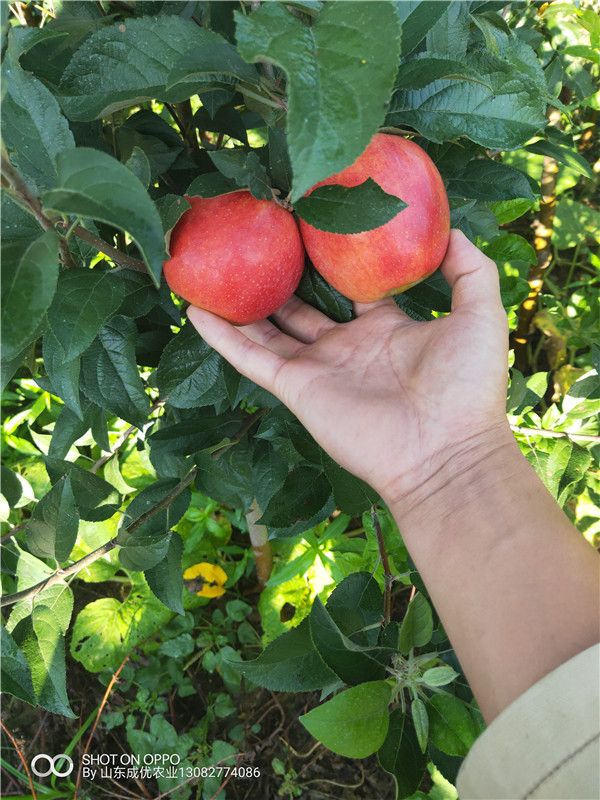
(279, 159)
(417, 625)
(417, 19)
(166, 578)
(583, 398)
(245, 169)
(95, 185)
(83, 302)
(64, 375)
(342, 66)
(140, 292)
(473, 218)
(52, 529)
(513, 290)
(16, 674)
(269, 471)
(304, 492)
(40, 637)
(33, 129)
(212, 60)
(95, 499)
(563, 154)
(112, 378)
(401, 754)
(356, 605)
(227, 479)
(126, 63)
(565, 468)
(504, 118)
(451, 726)
(510, 247)
(149, 543)
(106, 630)
(140, 166)
(509, 210)
(68, 428)
(420, 721)
(351, 494)
(12, 485)
(575, 223)
(349, 209)
(450, 34)
(439, 676)
(29, 276)
(212, 184)
(192, 435)
(189, 371)
(489, 180)
(422, 71)
(354, 723)
(226, 120)
(289, 664)
(351, 662)
(315, 290)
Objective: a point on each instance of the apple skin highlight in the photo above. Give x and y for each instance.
(236, 256)
(387, 260)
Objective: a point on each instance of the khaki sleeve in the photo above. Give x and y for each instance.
(545, 745)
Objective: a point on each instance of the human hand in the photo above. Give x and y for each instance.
(391, 399)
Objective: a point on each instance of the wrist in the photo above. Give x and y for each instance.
(454, 475)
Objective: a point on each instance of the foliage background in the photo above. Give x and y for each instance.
(132, 452)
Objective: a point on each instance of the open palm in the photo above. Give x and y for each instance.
(389, 398)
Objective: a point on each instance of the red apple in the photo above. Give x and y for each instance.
(370, 265)
(236, 256)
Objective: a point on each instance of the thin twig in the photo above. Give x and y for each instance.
(59, 575)
(389, 578)
(103, 247)
(586, 437)
(12, 532)
(33, 204)
(122, 439)
(109, 689)
(247, 424)
(77, 566)
(20, 754)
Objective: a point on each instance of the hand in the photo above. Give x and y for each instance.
(391, 399)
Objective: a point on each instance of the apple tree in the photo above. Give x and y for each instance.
(113, 114)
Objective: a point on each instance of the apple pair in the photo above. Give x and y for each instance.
(242, 258)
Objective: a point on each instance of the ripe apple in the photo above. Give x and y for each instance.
(236, 256)
(370, 265)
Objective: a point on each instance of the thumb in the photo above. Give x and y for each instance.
(473, 277)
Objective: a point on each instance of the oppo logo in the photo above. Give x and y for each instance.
(39, 763)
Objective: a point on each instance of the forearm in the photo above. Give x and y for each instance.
(515, 584)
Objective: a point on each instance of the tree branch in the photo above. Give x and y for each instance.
(585, 437)
(77, 566)
(33, 204)
(133, 526)
(261, 547)
(389, 578)
(103, 247)
(122, 439)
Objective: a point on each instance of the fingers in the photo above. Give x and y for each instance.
(303, 322)
(249, 357)
(362, 308)
(267, 335)
(472, 276)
